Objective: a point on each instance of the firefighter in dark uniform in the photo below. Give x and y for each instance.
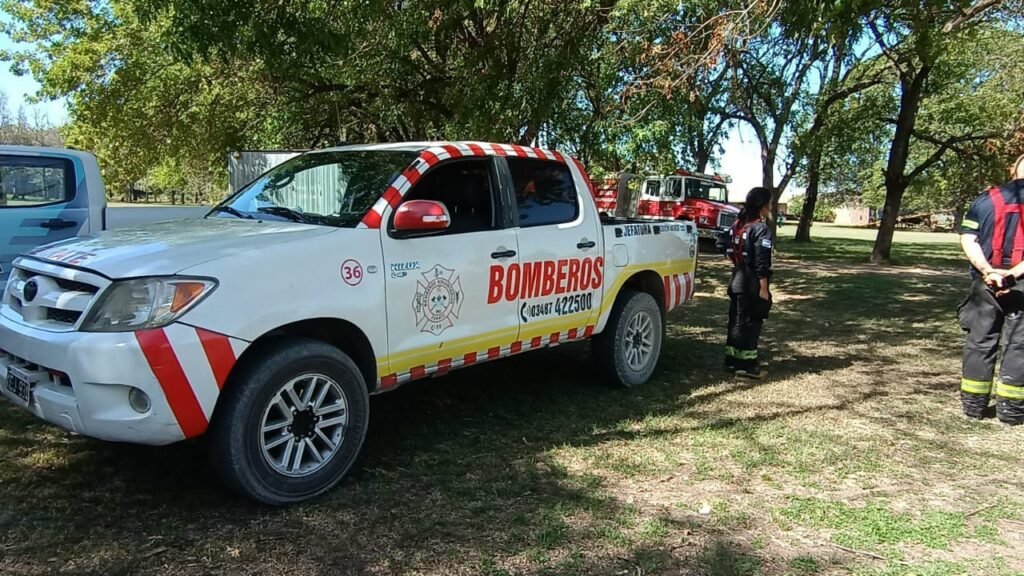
(992, 237)
(749, 246)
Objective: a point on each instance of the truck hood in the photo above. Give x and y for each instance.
(169, 247)
(720, 206)
(705, 204)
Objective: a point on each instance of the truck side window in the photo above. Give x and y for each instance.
(27, 181)
(652, 188)
(465, 188)
(675, 188)
(545, 192)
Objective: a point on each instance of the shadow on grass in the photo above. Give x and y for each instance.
(457, 474)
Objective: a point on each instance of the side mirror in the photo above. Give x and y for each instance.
(421, 216)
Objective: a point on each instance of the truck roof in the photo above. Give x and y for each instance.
(407, 146)
(37, 150)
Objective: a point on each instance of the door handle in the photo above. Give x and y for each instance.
(504, 254)
(58, 223)
(584, 244)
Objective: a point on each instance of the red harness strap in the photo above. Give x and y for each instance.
(1001, 210)
(739, 239)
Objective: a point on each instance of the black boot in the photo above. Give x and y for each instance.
(975, 405)
(1010, 411)
(750, 369)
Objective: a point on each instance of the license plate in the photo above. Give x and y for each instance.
(22, 389)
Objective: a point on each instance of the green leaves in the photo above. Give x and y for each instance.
(161, 90)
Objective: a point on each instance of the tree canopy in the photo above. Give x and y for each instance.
(897, 104)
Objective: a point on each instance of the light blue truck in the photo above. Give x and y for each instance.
(46, 195)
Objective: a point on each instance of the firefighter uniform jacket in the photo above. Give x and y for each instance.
(995, 218)
(756, 254)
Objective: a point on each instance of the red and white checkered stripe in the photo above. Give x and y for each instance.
(678, 289)
(445, 365)
(191, 365)
(407, 179)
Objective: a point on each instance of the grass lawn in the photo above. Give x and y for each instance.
(851, 459)
(853, 245)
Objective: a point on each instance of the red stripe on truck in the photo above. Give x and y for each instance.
(167, 370)
(372, 219)
(219, 354)
(392, 196)
(444, 366)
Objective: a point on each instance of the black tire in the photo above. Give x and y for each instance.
(609, 347)
(234, 435)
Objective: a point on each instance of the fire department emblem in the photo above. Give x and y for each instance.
(438, 300)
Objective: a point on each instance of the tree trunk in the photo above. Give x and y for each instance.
(803, 230)
(703, 156)
(896, 182)
(768, 181)
(768, 168)
(702, 163)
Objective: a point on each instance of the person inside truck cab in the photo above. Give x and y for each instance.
(545, 184)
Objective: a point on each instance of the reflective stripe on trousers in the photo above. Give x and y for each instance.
(1009, 391)
(975, 386)
(733, 352)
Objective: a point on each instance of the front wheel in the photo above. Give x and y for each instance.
(627, 350)
(291, 424)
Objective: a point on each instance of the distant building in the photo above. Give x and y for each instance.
(852, 215)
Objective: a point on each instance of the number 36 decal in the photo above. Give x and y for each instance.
(351, 272)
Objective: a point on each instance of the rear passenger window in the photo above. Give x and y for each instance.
(27, 181)
(545, 192)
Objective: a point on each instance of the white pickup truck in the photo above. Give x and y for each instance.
(341, 273)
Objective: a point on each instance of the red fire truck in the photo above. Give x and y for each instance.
(684, 195)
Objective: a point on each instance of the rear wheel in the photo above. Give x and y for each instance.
(291, 424)
(627, 351)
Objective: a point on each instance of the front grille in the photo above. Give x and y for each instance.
(63, 316)
(76, 286)
(726, 219)
(52, 376)
(50, 298)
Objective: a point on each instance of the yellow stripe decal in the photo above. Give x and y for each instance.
(408, 359)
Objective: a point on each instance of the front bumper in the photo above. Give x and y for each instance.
(709, 233)
(81, 382)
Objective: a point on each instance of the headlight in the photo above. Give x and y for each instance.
(145, 303)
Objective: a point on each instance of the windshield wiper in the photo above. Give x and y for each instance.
(233, 212)
(284, 212)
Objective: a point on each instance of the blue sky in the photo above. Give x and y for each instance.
(741, 160)
(20, 89)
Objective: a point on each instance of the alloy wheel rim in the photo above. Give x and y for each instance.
(303, 426)
(639, 341)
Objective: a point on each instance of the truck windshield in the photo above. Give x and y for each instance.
(324, 188)
(705, 190)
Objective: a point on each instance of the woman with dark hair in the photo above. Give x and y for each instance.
(749, 246)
